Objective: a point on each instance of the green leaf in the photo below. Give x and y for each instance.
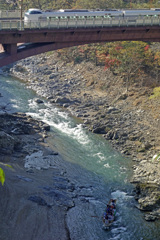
(8, 165)
(2, 176)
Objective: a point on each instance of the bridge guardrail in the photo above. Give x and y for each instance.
(11, 13)
(79, 23)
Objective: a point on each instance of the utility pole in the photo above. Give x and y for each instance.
(21, 6)
(21, 16)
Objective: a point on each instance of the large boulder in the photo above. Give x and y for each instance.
(148, 196)
(62, 100)
(7, 143)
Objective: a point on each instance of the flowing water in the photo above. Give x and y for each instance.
(90, 152)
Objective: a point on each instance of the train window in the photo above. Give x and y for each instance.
(107, 16)
(35, 12)
(51, 18)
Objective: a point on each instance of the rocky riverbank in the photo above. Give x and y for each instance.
(129, 120)
(42, 194)
(23, 199)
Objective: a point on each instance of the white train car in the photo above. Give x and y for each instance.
(32, 14)
(36, 18)
(143, 13)
(83, 13)
(38, 15)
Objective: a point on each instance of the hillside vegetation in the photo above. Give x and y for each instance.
(134, 62)
(101, 4)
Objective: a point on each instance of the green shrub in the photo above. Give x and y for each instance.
(156, 93)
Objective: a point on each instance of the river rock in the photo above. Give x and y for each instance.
(46, 127)
(3, 106)
(38, 200)
(63, 197)
(148, 194)
(7, 143)
(109, 135)
(62, 100)
(112, 110)
(99, 130)
(150, 217)
(53, 75)
(37, 100)
(38, 161)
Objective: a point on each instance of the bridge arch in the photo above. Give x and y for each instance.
(18, 45)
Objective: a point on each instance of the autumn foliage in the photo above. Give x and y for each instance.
(134, 61)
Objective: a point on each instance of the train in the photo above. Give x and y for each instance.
(35, 15)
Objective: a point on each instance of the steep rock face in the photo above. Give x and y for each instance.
(129, 120)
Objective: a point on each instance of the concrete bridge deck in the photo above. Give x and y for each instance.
(41, 39)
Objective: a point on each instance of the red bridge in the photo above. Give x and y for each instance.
(18, 42)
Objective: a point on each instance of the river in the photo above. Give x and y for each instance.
(92, 154)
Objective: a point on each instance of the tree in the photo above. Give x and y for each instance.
(127, 59)
(101, 4)
(156, 66)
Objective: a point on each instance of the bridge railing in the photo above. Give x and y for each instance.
(11, 13)
(79, 23)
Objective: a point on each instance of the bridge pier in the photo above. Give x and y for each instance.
(10, 48)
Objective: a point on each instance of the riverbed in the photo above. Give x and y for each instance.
(96, 170)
